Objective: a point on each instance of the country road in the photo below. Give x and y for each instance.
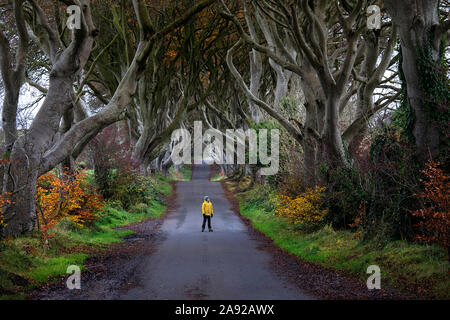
(171, 259)
(117, 115)
(224, 264)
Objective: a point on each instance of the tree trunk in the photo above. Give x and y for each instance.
(28, 151)
(256, 69)
(334, 146)
(419, 28)
(281, 88)
(102, 172)
(20, 215)
(310, 164)
(9, 122)
(9, 126)
(42, 147)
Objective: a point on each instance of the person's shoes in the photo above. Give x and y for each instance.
(203, 230)
(210, 230)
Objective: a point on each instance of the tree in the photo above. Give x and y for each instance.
(13, 76)
(434, 216)
(325, 48)
(422, 32)
(43, 146)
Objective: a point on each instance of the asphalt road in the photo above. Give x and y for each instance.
(224, 264)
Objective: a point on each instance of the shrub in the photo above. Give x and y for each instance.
(67, 225)
(391, 183)
(435, 217)
(139, 208)
(261, 197)
(114, 165)
(117, 173)
(346, 191)
(377, 199)
(130, 188)
(3, 201)
(63, 195)
(305, 210)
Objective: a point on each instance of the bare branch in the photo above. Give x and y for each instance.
(52, 37)
(271, 111)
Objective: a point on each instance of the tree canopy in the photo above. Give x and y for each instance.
(317, 69)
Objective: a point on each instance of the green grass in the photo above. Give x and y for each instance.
(218, 178)
(29, 259)
(26, 262)
(56, 267)
(90, 176)
(184, 174)
(161, 184)
(403, 265)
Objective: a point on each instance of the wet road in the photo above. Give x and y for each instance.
(224, 264)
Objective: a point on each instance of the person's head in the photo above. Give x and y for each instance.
(206, 198)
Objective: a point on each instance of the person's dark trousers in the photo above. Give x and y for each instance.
(206, 218)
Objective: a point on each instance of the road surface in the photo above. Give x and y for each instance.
(171, 258)
(224, 264)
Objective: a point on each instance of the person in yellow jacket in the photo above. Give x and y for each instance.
(207, 211)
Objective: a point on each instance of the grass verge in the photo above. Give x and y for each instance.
(416, 268)
(27, 262)
(218, 177)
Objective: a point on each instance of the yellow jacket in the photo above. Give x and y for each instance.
(207, 208)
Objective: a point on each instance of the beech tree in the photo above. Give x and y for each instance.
(154, 69)
(12, 67)
(422, 31)
(322, 42)
(44, 146)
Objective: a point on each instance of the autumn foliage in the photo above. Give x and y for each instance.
(305, 209)
(435, 216)
(63, 195)
(3, 201)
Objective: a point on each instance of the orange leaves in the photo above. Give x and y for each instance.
(435, 217)
(304, 209)
(66, 195)
(361, 220)
(5, 196)
(170, 56)
(204, 78)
